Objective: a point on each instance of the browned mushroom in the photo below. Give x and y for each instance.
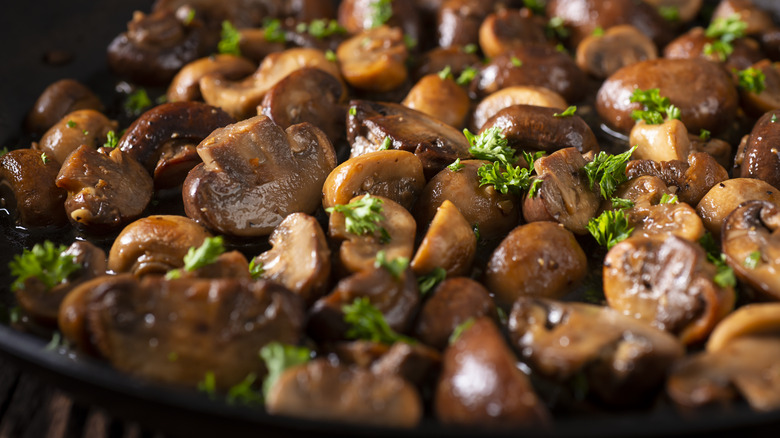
(374, 59)
(702, 90)
(726, 196)
(752, 319)
(393, 174)
(28, 190)
(254, 174)
(540, 259)
(751, 242)
(185, 86)
(106, 188)
(757, 19)
(307, 95)
(502, 396)
(762, 152)
(416, 363)
(619, 46)
(300, 257)
(564, 194)
(359, 15)
(517, 95)
(155, 245)
(509, 29)
(622, 359)
(458, 21)
(440, 98)
(660, 142)
(449, 243)
(253, 45)
(437, 59)
(668, 283)
(695, 43)
(86, 126)
(59, 99)
(321, 390)
(436, 144)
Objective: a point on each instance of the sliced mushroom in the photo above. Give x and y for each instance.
(564, 194)
(307, 95)
(156, 46)
(619, 46)
(752, 319)
(440, 98)
(517, 95)
(494, 214)
(28, 190)
(436, 144)
(726, 196)
(702, 90)
(694, 43)
(43, 303)
(393, 174)
(509, 29)
(453, 302)
(155, 245)
(106, 188)
(622, 359)
(665, 142)
(668, 283)
(58, 100)
(458, 21)
(762, 152)
(208, 326)
(504, 395)
(693, 179)
(80, 127)
(163, 139)
(397, 298)
(395, 236)
(449, 243)
(751, 242)
(374, 59)
(240, 99)
(254, 174)
(300, 257)
(321, 390)
(185, 86)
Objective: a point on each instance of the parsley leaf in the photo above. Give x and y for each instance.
(273, 32)
(556, 29)
(205, 254)
(490, 145)
(386, 144)
(515, 179)
(751, 79)
(330, 55)
(278, 357)
(70, 124)
(362, 216)
(466, 76)
(323, 28)
(567, 113)
(445, 73)
(44, 158)
(668, 199)
(395, 267)
(111, 140)
(3, 151)
(256, 269)
(352, 111)
(610, 228)
(598, 31)
(470, 49)
(137, 102)
(456, 165)
(208, 385)
(530, 158)
(608, 170)
(427, 282)
(621, 204)
(704, 134)
(724, 276)
(516, 61)
(242, 392)
(725, 31)
(535, 6)
(230, 39)
(381, 12)
(655, 107)
(367, 322)
(47, 262)
(752, 260)
(459, 329)
(669, 13)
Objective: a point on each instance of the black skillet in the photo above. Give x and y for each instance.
(44, 41)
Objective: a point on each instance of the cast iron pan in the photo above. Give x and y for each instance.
(79, 31)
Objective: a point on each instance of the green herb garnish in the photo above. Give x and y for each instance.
(567, 113)
(668, 199)
(243, 393)
(621, 204)
(111, 140)
(273, 32)
(322, 28)
(330, 55)
(362, 216)
(655, 107)
(752, 260)
(598, 31)
(368, 323)
(724, 31)
(704, 134)
(505, 178)
(669, 13)
(381, 12)
(387, 143)
(466, 76)
(256, 269)
(456, 165)
(230, 38)
(44, 158)
(352, 111)
(278, 357)
(535, 6)
(208, 385)
(608, 170)
(610, 228)
(470, 49)
(427, 282)
(445, 73)
(395, 267)
(70, 124)
(516, 61)
(490, 145)
(751, 79)
(459, 329)
(724, 277)
(47, 262)
(556, 29)
(136, 102)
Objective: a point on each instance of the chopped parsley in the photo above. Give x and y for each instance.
(505, 178)
(669, 13)
(278, 357)
(751, 79)
(456, 165)
(137, 102)
(273, 32)
(621, 204)
(44, 158)
(230, 38)
(410, 42)
(387, 143)
(330, 55)
(47, 262)
(470, 49)
(466, 76)
(362, 216)
(427, 282)
(608, 170)
(323, 28)
(459, 329)
(490, 145)
(381, 12)
(752, 260)
(704, 134)
(567, 113)
(199, 257)
(655, 107)
(395, 267)
(111, 140)
(668, 199)
(516, 61)
(352, 111)
(724, 277)
(445, 73)
(70, 124)
(610, 228)
(368, 323)
(556, 29)
(724, 31)
(244, 393)
(256, 269)
(598, 31)
(208, 385)
(535, 6)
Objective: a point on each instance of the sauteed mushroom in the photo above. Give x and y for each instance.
(449, 243)
(374, 59)
(57, 100)
(619, 46)
(440, 98)
(517, 95)
(509, 29)
(458, 21)
(28, 190)
(762, 152)
(185, 86)
(86, 126)
(726, 196)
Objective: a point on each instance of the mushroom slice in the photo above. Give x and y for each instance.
(398, 298)
(532, 128)
(453, 302)
(321, 390)
(185, 86)
(751, 242)
(762, 152)
(509, 29)
(58, 100)
(307, 95)
(393, 174)
(749, 320)
(619, 46)
(665, 142)
(622, 359)
(668, 283)
(155, 245)
(486, 209)
(42, 303)
(80, 127)
(28, 190)
(563, 195)
(106, 188)
(374, 60)
(727, 195)
(254, 174)
(440, 98)
(163, 139)
(240, 99)
(449, 243)
(517, 95)
(208, 326)
(395, 236)
(435, 143)
(300, 257)
(693, 179)
(504, 395)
